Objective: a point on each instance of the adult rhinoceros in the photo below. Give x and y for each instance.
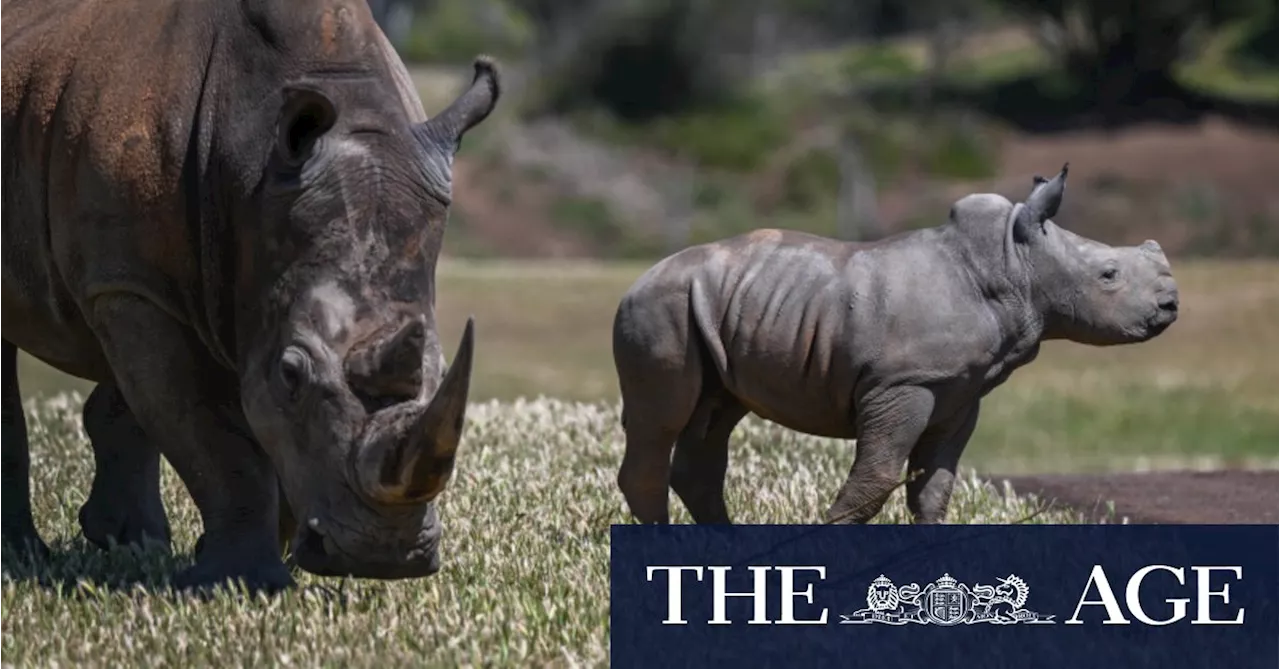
(893, 343)
(228, 215)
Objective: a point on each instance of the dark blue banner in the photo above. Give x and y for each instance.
(1094, 596)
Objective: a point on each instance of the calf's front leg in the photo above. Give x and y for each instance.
(190, 408)
(936, 458)
(889, 425)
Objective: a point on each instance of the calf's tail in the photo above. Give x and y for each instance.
(700, 310)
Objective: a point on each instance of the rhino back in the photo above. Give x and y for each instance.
(799, 328)
(133, 131)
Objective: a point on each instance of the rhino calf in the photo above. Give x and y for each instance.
(893, 343)
(228, 214)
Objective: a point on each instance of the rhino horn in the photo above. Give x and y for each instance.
(411, 459)
(470, 108)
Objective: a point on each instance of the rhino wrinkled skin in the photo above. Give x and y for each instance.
(228, 215)
(892, 343)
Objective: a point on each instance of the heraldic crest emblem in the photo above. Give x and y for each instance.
(946, 602)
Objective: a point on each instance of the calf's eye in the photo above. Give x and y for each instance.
(1110, 274)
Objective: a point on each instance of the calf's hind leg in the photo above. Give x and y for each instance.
(702, 459)
(645, 471)
(657, 407)
(124, 503)
(18, 528)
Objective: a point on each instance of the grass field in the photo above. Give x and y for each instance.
(525, 576)
(526, 556)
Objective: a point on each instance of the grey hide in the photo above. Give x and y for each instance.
(227, 214)
(892, 343)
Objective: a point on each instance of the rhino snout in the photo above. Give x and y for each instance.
(320, 554)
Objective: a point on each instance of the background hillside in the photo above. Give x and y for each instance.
(635, 127)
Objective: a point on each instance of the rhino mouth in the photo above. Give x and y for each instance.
(316, 552)
(1164, 316)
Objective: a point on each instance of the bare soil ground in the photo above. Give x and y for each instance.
(1170, 497)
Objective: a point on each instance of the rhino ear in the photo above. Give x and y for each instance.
(1042, 204)
(305, 116)
(472, 107)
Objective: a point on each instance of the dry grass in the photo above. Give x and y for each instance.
(526, 556)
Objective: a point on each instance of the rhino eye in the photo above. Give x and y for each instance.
(1110, 274)
(295, 371)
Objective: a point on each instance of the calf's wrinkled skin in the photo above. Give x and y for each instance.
(228, 215)
(892, 343)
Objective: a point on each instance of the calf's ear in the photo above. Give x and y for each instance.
(306, 115)
(1041, 205)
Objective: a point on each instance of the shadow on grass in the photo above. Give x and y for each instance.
(77, 570)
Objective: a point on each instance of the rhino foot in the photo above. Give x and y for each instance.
(223, 564)
(104, 526)
(286, 531)
(124, 506)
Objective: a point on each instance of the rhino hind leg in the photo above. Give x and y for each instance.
(124, 505)
(18, 527)
(658, 405)
(702, 458)
(646, 470)
(888, 430)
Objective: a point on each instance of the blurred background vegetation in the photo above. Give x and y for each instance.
(632, 128)
(635, 127)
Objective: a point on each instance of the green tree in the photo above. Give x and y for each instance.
(640, 59)
(1125, 50)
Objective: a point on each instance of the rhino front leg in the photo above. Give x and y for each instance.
(286, 526)
(936, 458)
(889, 425)
(124, 504)
(190, 408)
(18, 527)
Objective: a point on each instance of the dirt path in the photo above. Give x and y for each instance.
(1221, 497)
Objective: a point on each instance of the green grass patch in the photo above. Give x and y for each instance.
(1103, 426)
(525, 575)
(872, 63)
(453, 31)
(737, 135)
(957, 152)
(811, 179)
(999, 66)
